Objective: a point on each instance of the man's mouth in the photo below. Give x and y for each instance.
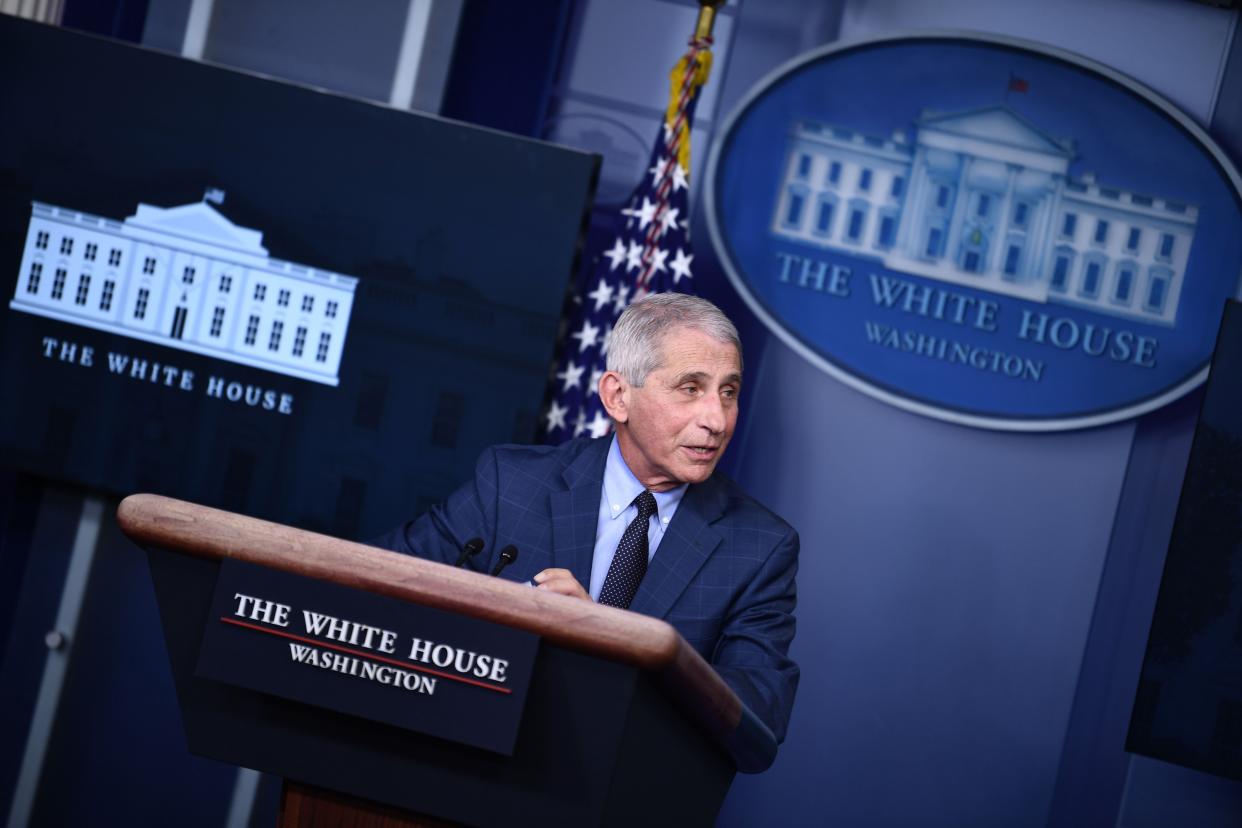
(703, 451)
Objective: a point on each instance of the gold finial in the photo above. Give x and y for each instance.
(707, 18)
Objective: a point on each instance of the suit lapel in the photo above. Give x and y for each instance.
(575, 511)
(686, 545)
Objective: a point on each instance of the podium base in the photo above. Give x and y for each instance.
(305, 806)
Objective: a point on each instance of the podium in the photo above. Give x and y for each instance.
(623, 722)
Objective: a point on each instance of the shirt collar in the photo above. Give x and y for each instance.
(621, 487)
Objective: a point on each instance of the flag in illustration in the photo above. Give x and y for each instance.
(650, 253)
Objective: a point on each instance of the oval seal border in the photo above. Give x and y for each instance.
(873, 389)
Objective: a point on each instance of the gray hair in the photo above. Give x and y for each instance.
(634, 349)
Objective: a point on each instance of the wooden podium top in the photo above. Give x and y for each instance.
(618, 635)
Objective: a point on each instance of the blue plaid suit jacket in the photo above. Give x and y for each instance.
(723, 575)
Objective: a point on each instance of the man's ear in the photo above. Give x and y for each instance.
(614, 394)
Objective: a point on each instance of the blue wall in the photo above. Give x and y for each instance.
(974, 604)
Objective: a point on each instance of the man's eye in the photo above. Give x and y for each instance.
(729, 393)
(690, 389)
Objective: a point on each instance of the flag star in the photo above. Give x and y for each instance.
(680, 180)
(616, 255)
(602, 294)
(634, 256)
(619, 302)
(572, 375)
(580, 422)
(681, 265)
(599, 425)
(629, 212)
(644, 214)
(668, 221)
(587, 336)
(593, 385)
(658, 171)
(658, 259)
(556, 416)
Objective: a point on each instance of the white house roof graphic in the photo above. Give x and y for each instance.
(198, 221)
(1000, 125)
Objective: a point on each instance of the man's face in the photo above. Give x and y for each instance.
(674, 428)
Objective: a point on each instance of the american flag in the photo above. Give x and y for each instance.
(650, 253)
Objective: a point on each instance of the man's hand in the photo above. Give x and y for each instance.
(562, 581)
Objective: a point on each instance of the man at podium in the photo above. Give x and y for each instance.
(641, 520)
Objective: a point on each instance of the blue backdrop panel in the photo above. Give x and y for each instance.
(1189, 703)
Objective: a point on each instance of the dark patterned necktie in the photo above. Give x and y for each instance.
(629, 564)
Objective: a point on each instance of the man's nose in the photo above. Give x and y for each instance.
(712, 414)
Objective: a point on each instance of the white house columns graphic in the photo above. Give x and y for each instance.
(188, 278)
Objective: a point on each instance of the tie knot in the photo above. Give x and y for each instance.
(646, 505)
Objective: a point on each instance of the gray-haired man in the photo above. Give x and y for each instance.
(671, 537)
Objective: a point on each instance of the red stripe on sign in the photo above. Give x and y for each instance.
(405, 665)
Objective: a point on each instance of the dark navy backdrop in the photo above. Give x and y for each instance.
(463, 240)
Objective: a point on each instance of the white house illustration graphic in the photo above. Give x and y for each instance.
(188, 278)
(983, 198)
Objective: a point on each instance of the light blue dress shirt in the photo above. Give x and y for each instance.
(617, 509)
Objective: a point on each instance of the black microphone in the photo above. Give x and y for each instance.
(507, 556)
(471, 548)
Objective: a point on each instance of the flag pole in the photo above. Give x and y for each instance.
(687, 78)
(707, 18)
